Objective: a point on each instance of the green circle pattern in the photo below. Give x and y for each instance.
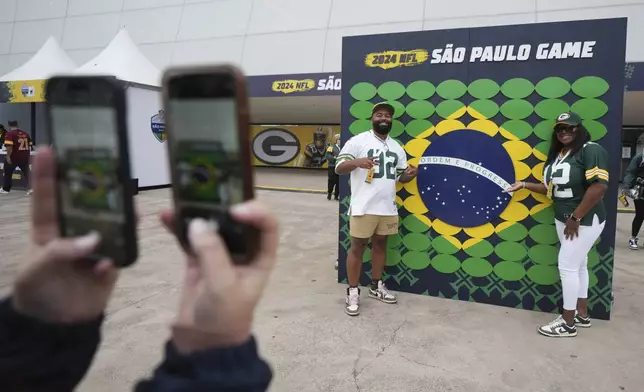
(516, 109)
(399, 108)
(363, 91)
(481, 249)
(361, 110)
(596, 129)
(391, 91)
(509, 271)
(518, 88)
(359, 126)
(477, 267)
(412, 248)
(448, 107)
(483, 89)
(515, 232)
(485, 107)
(417, 126)
(543, 130)
(397, 128)
(420, 109)
(414, 225)
(551, 108)
(416, 260)
(590, 87)
(553, 87)
(394, 241)
(451, 89)
(590, 108)
(421, 89)
(519, 128)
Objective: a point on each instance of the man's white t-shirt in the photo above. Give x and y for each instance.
(379, 196)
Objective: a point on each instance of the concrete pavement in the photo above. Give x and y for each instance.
(421, 344)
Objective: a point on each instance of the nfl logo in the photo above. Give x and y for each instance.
(157, 125)
(27, 90)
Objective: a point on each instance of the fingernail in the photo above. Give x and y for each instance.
(88, 241)
(197, 227)
(240, 209)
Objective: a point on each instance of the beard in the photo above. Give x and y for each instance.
(382, 127)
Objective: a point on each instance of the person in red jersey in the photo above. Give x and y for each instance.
(19, 145)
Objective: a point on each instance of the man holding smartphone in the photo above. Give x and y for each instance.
(376, 162)
(18, 144)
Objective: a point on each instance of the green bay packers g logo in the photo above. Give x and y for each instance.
(276, 146)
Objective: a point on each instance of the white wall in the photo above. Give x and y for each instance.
(148, 156)
(270, 36)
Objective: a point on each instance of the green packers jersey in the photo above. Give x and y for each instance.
(570, 176)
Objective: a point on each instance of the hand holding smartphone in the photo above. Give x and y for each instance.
(207, 130)
(87, 128)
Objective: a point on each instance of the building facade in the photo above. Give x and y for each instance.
(270, 36)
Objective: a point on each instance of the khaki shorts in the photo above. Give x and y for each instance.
(365, 226)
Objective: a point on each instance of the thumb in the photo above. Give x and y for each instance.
(211, 254)
(71, 249)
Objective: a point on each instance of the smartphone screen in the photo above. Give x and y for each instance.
(91, 194)
(207, 156)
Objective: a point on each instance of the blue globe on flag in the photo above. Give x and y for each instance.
(462, 176)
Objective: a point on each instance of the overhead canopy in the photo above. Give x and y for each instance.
(51, 59)
(123, 59)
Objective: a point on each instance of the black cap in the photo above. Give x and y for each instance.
(383, 105)
(569, 119)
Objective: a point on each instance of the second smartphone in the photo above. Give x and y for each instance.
(87, 129)
(206, 113)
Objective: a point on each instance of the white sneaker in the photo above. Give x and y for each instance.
(582, 322)
(382, 294)
(352, 302)
(3, 192)
(632, 243)
(558, 328)
(29, 192)
(336, 264)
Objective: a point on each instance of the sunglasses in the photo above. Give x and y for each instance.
(565, 128)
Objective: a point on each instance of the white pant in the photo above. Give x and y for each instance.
(573, 261)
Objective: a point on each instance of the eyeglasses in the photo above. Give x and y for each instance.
(565, 128)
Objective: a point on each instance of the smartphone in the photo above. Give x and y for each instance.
(88, 131)
(206, 112)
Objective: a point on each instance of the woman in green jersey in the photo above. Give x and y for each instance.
(575, 177)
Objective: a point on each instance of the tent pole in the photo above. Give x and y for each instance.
(33, 122)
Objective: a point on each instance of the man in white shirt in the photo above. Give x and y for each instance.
(375, 162)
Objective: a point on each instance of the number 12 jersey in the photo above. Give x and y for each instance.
(570, 176)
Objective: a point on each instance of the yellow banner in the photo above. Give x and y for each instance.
(396, 58)
(22, 91)
(293, 86)
(291, 145)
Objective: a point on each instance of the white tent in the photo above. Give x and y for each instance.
(51, 59)
(123, 59)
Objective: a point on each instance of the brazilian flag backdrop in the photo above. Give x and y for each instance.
(474, 111)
